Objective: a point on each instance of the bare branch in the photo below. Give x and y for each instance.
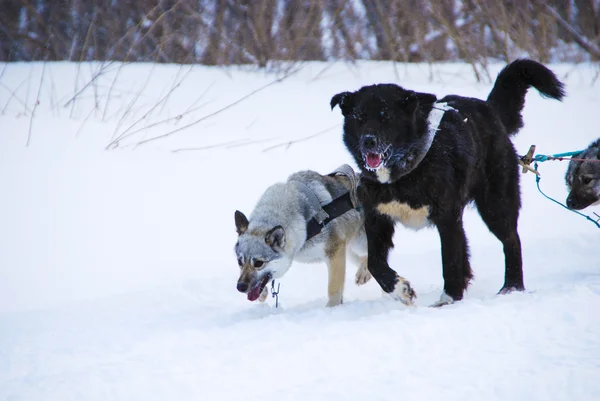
(221, 109)
(591, 48)
(37, 102)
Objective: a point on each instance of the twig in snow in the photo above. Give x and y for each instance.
(178, 117)
(27, 91)
(125, 133)
(218, 145)
(221, 109)
(133, 101)
(3, 70)
(324, 69)
(84, 121)
(101, 72)
(174, 80)
(37, 102)
(13, 93)
(166, 120)
(227, 145)
(76, 83)
(290, 143)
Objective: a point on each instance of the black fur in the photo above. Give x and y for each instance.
(471, 159)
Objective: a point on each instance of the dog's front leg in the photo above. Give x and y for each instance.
(455, 258)
(380, 232)
(336, 265)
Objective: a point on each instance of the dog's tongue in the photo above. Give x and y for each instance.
(254, 294)
(373, 160)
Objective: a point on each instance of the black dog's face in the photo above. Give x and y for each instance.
(385, 129)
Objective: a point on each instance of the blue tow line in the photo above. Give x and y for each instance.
(559, 156)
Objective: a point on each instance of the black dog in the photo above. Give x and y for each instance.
(424, 160)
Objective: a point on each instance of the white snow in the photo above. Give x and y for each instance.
(117, 271)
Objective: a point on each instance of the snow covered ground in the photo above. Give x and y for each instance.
(117, 272)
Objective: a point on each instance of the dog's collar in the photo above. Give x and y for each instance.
(334, 209)
(433, 126)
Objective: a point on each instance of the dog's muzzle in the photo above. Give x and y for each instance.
(575, 202)
(375, 154)
(253, 292)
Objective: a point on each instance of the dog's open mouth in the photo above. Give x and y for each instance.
(374, 160)
(258, 289)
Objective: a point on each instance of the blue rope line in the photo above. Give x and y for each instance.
(543, 158)
(537, 180)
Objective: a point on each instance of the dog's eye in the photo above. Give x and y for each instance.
(586, 180)
(384, 115)
(360, 116)
(258, 263)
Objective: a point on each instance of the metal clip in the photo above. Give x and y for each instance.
(275, 294)
(526, 161)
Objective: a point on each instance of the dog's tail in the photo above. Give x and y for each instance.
(508, 94)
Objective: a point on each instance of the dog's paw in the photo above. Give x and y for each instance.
(507, 289)
(263, 295)
(362, 274)
(334, 302)
(445, 299)
(403, 292)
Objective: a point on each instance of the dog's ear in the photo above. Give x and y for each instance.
(415, 100)
(276, 237)
(344, 100)
(241, 222)
(426, 98)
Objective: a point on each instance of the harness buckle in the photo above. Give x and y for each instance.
(526, 161)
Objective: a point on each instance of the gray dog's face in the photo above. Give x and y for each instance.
(585, 185)
(260, 256)
(583, 178)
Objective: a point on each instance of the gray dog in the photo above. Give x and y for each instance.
(583, 178)
(310, 218)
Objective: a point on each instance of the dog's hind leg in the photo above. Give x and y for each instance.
(336, 265)
(455, 258)
(362, 274)
(500, 212)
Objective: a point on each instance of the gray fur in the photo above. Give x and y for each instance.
(283, 211)
(583, 178)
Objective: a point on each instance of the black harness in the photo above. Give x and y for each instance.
(334, 209)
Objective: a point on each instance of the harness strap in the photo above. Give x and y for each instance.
(337, 207)
(320, 214)
(354, 178)
(334, 209)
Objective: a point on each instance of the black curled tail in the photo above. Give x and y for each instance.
(508, 94)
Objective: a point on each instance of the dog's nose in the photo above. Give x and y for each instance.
(368, 142)
(571, 204)
(242, 287)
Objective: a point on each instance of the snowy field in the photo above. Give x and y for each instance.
(117, 271)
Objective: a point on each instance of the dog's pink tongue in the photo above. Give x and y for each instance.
(254, 294)
(373, 160)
